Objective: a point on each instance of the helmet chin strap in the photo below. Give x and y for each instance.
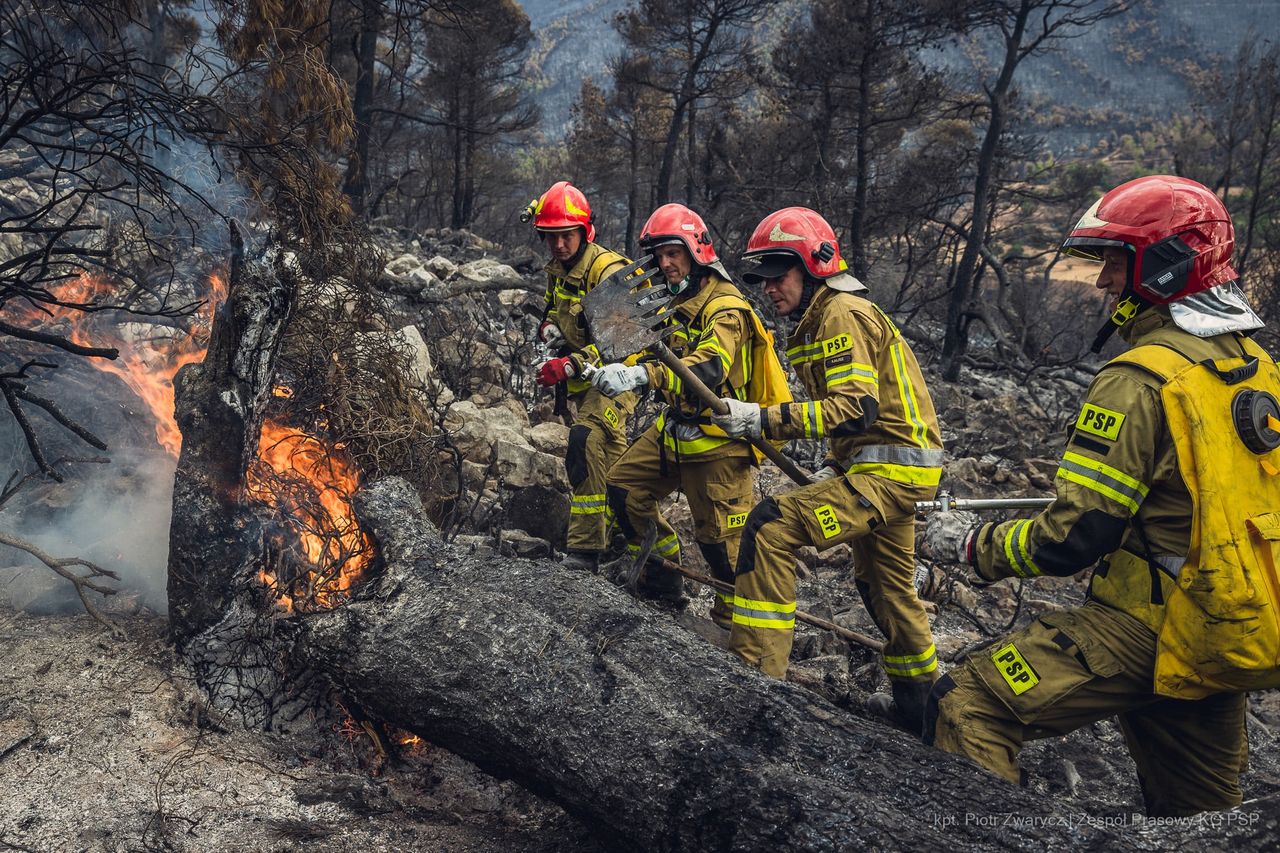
(806, 296)
(1129, 306)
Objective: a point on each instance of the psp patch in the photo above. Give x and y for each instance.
(1101, 422)
(836, 345)
(735, 519)
(1016, 672)
(827, 521)
(611, 416)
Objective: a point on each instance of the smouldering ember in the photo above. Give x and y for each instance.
(309, 484)
(147, 366)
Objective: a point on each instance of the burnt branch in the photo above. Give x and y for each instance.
(58, 341)
(16, 480)
(61, 417)
(84, 584)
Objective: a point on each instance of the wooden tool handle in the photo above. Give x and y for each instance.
(709, 398)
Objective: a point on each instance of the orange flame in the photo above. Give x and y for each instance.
(311, 484)
(147, 366)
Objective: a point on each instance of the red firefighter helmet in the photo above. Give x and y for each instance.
(1179, 233)
(797, 232)
(675, 223)
(562, 208)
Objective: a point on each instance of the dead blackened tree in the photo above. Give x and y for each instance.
(851, 85)
(1022, 28)
(698, 52)
(476, 64)
(613, 140)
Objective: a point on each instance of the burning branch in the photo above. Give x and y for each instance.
(82, 583)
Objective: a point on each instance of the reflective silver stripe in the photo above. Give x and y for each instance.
(773, 615)
(1107, 481)
(918, 457)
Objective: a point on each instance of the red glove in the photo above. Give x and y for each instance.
(555, 370)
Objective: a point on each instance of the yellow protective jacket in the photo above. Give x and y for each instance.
(563, 301)
(867, 392)
(1119, 492)
(712, 337)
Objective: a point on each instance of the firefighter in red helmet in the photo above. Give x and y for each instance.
(598, 435)
(868, 398)
(720, 338)
(1131, 504)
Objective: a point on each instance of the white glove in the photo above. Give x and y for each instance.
(551, 335)
(614, 379)
(826, 472)
(742, 419)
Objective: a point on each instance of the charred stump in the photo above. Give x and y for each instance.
(218, 404)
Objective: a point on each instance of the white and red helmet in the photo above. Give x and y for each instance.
(675, 223)
(563, 208)
(797, 234)
(1178, 232)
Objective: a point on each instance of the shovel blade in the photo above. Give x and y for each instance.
(627, 311)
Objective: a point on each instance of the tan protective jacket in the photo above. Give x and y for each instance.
(868, 393)
(563, 300)
(1119, 493)
(716, 347)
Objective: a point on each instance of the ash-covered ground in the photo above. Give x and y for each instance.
(106, 746)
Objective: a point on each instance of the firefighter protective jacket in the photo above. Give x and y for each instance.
(713, 338)
(867, 393)
(563, 301)
(1119, 492)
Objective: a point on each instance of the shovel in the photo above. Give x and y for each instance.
(628, 312)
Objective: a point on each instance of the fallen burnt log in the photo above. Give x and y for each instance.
(652, 737)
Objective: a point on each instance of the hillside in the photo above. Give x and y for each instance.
(1124, 67)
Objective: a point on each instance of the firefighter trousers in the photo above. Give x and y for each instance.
(718, 488)
(596, 440)
(882, 538)
(1074, 667)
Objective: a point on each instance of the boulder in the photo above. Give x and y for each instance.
(441, 267)
(520, 465)
(487, 271)
(549, 437)
(517, 543)
(475, 431)
(402, 265)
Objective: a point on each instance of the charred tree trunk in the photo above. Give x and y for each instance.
(218, 404)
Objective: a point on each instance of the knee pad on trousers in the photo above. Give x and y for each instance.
(717, 556)
(616, 497)
(575, 458)
(941, 687)
(763, 513)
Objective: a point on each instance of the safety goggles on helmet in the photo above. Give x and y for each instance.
(767, 266)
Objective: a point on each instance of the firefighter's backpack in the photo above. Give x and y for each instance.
(766, 383)
(1221, 630)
